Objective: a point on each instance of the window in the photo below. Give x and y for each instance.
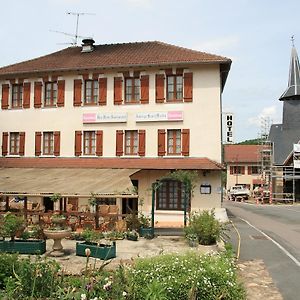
(132, 90)
(17, 95)
(89, 143)
(254, 170)
(237, 170)
(174, 87)
(174, 142)
(14, 145)
(91, 92)
(131, 142)
(50, 93)
(48, 143)
(170, 196)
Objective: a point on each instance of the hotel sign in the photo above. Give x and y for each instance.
(159, 116)
(229, 128)
(104, 118)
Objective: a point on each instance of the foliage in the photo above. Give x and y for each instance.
(132, 235)
(55, 197)
(93, 199)
(90, 235)
(189, 276)
(7, 261)
(257, 141)
(205, 226)
(136, 221)
(11, 224)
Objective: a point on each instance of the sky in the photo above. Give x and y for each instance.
(255, 34)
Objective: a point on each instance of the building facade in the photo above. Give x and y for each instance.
(145, 109)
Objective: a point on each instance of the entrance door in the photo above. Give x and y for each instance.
(129, 205)
(48, 204)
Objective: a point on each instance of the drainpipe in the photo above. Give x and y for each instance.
(153, 204)
(185, 204)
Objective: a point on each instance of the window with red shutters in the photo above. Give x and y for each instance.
(17, 96)
(91, 92)
(119, 142)
(4, 143)
(118, 90)
(185, 135)
(188, 87)
(159, 85)
(131, 142)
(14, 143)
(174, 87)
(26, 98)
(50, 98)
(174, 141)
(48, 143)
(142, 142)
(61, 93)
(132, 89)
(144, 89)
(5, 96)
(89, 143)
(99, 142)
(78, 143)
(161, 142)
(102, 91)
(38, 94)
(38, 143)
(77, 92)
(22, 144)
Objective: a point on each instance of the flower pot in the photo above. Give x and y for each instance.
(193, 243)
(98, 251)
(23, 246)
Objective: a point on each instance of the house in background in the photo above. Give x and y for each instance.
(243, 165)
(111, 120)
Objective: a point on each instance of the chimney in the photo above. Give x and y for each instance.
(87, 45)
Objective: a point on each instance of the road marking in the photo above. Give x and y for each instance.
(297, 262)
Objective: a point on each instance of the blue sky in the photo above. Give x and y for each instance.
(255, 34)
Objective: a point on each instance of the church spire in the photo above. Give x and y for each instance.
(293, 90)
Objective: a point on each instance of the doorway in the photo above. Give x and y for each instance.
(48, 204)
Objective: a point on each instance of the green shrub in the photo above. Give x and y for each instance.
(11, 224)
(205, 226)
(177, 277)
(7, 263)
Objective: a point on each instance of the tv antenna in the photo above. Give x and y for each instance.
(74, 36)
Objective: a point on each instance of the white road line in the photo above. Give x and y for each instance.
(297, 262)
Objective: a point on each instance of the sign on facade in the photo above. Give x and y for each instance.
(104, 118)
(228, 128)
(159, 116)
(296, 147)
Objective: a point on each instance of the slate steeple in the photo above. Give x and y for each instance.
(293, 90)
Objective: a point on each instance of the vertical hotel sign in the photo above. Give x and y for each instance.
(296, 156)
(229, 128)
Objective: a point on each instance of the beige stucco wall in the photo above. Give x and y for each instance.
(202, 117)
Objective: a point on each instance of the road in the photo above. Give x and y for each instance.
(270, 233)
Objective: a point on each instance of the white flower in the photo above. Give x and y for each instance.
(83, 296)
(124, 294)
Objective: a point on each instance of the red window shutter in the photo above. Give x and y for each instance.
(26, 97)
(4, 143)
(60, 93)
(38, 143)
(242, 170)
(119, 143)
(99, 143)
(77, 92)
(231, 170)
(142, 142)
(160, 88)
(188, 87)
(56, 143)
(78, 137)
(5, 96)
(37, 94)
(161, 142)
(249, 170)
(102, 91)
(22, 144)
(185, 142)
(145, 89)
(118, 90)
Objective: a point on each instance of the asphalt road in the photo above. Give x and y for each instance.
(270, 233)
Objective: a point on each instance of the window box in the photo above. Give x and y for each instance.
(104, 252)
(23, 246)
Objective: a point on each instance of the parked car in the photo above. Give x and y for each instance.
(239, 193)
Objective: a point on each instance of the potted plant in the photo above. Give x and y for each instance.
(11, 225)
(145, 226)
(99, 247)
(132, 235)
(192, 239)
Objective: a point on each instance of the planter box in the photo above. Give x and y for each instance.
(102, 251)
(147, 231)
(23, 246)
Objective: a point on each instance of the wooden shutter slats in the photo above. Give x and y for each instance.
(99, 142)
(119, 142)
(4, 143)
(22, 144)
(38, 94)
(77, 92)
(161, 142)
(185, 142)
(5, 96)
(102, 91)
(38, 143)
(26, 97)
(249, 170)
(142, 142)
(160, 88)
(78, 143)
(231, 170)
(188, 87)
(118, 90)
(56, 143)
(242, 170)
(60, 93)
(145, 89)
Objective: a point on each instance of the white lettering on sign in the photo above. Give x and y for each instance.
(229, 128)
(159, 116)
(104, 118)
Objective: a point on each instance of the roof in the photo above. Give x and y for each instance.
(293, 90)
(185, 163)
(66, 181)
(283, 141)
(242, 153)
(116, 56)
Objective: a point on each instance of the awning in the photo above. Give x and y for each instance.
(67, 182)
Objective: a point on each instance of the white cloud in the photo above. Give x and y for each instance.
(269, 114)
(218, 45)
